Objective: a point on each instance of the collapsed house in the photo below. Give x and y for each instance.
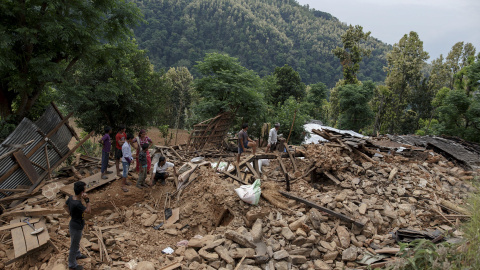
(342, 204)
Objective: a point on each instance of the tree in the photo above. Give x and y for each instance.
(355, 111)
(44, 40)
(351, 53)
(117, 85)
(457, 59)
(227, 86)
(404, 73)
(289, 84)
(179, 80)
(317, 94)
(289, 109)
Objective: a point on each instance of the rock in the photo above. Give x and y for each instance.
(363, 208)
(207, 255)
(282, 265)
(321, 265)
(330, 256)
(281, 254)
(192, 256)
(299, 241)
(240, 252)
(239, 239)
(287, 233)
(194, 265)
(109, 242)
(301, 232)
(171, 232)
(223, 253)
(149, 221)
(128, 213)
(349, 254)
(298, 259)
(253, 215)
(341, 197)
(257, 231)
(316, 218)
(145, 265)
(324, 228)
(214, 244)
(343, 236)
(300, 251)
(59, 267)
(315, 254)
(199, 243)
(326, 245)
(95, 247)
(298, 223)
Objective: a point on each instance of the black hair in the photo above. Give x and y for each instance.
(79, 187)
(244, 125)
(121, 127)
(145, 146)
(162, 158)
(129, 136)
(107, 129)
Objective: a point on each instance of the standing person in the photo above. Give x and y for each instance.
(127, 159)
(77, 211)
(160, 171)
(106, 141)
(119, 140)
(272, 138)
(139, 141)
(245, 142)
(143, 166)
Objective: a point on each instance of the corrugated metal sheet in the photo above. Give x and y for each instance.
(26, 131)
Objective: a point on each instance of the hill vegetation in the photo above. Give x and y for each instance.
(262, 34)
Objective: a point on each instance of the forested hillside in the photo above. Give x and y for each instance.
(262, 34)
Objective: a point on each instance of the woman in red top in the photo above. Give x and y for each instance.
(142, 136)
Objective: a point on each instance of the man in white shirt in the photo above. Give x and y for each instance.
(272, 138)
(160, 171)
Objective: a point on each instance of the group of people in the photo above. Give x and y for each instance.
(123, 154)
(245, 142)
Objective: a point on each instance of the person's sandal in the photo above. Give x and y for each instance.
(125, 189)
(83, 256)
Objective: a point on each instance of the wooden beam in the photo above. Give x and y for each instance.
(26, 166)
(234, 178)
(35, 148)
(331, 177)
(34, 212)
(291, 158)
(282, 166)
(326, 210)
(252, 170)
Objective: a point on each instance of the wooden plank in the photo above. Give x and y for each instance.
(331, 177)
(93, 182)
(282, 166)
(49, 171)
(35, 212)
(19, 245)
(26, 166)
(252, 170)
(30, 240)
(242, 163)
(43, 237)
(234, 178)
(326, 210)
(18, 224)
(291, 158)
(14, 190)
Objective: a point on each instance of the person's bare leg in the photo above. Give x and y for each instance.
(268, 148)
(117, 165)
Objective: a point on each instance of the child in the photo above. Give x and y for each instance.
(77, 210)
(127, 159)
(160, 171)
(119, 140)
(142, 159)
(106, 141)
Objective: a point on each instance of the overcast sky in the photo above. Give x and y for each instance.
(439, 23)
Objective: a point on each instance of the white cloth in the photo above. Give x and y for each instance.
(162, 169)
(272, 136)
(126, 151)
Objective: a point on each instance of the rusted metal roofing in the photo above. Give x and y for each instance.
(26, 131)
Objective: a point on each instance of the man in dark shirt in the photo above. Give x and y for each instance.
(77, 211)
(245, 142)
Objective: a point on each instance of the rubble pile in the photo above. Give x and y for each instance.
(372, 183)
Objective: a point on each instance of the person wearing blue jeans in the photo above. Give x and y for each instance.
(106, 141)
(77, 212)
(127, 160)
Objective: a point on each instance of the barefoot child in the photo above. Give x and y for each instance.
(142, 159)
